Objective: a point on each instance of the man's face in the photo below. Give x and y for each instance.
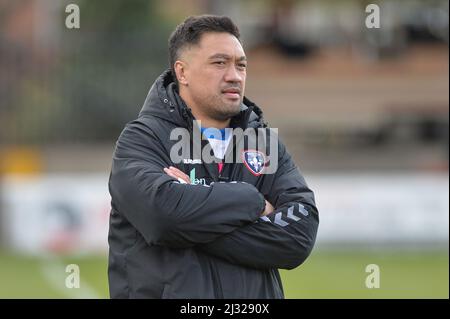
(215, 72)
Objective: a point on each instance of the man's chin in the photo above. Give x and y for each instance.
(227, 113)
(233, 105)
(233, 110)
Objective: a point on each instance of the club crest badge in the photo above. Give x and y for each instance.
(254, 161)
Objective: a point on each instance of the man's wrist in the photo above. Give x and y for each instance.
(263, 202)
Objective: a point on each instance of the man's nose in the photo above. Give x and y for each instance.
(233, 75)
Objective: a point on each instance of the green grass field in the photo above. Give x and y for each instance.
(326, 274)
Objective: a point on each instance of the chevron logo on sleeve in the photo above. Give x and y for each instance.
(284, 218)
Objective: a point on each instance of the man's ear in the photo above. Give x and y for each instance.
(180, 72)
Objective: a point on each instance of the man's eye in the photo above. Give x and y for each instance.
(219, 62)
(242, 65)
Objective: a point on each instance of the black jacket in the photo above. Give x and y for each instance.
(173, 240)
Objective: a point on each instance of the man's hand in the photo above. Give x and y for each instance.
(183, 178)
(268, 209)
(177, 174)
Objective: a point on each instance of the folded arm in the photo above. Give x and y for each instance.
(165, 211)
(283, 238)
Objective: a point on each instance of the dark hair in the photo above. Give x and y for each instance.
(190, 31)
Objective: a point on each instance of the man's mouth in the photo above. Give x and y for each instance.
(232, 93)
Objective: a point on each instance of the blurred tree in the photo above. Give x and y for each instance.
(109, 65)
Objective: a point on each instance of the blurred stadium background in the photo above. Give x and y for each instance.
(363, 111)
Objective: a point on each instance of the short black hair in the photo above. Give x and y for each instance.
(190, 31)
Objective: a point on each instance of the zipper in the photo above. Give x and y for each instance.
(231, 148)
(189, 117)
(215, 174)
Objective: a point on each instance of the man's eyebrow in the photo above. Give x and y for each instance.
(226, 57)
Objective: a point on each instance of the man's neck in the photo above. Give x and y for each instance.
(209, 122)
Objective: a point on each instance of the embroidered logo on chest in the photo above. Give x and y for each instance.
(254, 161)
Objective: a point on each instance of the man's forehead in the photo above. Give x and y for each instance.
(219, 45)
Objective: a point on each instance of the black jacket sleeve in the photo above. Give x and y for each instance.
(165, 211)
(284, 238)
